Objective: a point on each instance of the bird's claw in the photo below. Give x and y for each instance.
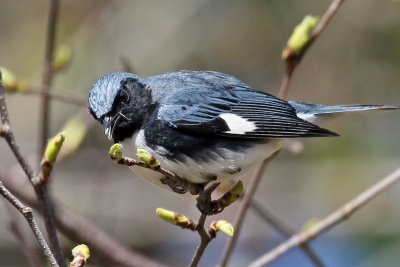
(177, 187)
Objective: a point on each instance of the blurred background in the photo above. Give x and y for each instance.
(356, 60)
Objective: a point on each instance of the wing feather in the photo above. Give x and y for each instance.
(212, 94)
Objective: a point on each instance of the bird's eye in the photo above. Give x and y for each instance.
(123, 96)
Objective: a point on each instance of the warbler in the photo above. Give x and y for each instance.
(204, 126)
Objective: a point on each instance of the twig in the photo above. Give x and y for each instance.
(205, 238)
(126, 64)
(44, 131)
(45, 203)
(66, 98)
(48, 216)
(292, 63)
(331, 220)
(281, 226)
(27, 213)
(47, 76)
(255, 179)
(133, 162)
(176, 183)
(24, 240)
(78, 229)
(286, 80)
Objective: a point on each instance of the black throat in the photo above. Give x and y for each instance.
(139, 109)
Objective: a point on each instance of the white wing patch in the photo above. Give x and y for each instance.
(237, 124)
(309, 117)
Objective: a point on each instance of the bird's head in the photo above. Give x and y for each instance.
(119, 101)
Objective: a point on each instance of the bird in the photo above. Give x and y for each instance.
(203, 126)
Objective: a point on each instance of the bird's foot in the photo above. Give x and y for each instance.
(178, 186)
(204, 202)
(208, 208)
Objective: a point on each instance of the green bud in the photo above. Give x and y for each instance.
(61, 58)
(310, 224)
(81, 248)
(231, 196)
(167, 215)
(81, 253)
(236, 191)
(10, 81)
(300, 37)
(116, 152)
(175, 218)
(77, 130)
(147, 158)
(223, 226)
(53, 148)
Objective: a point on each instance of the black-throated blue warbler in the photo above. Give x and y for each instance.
(203, 126)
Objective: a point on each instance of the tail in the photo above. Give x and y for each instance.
(314, 113)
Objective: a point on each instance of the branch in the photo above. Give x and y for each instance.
(63, 97)
(331, 220)
(291, 65)
(177, 184)
(47, 76)
(285, 230)
(78, 229)
(205, 238)
(27, 213)
(44, 200)
(24, 240)
(294, 60)
(126, 64)
(254, 181)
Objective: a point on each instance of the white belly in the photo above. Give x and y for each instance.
(194, 171)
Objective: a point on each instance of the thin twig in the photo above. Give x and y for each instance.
(179, 185)
(281, 227)
(24, 240)
(133, 162)
(286, 80)
(291, 66)
(48, 215)
(292, 63)
(45, 202)
(241, 214)
(331, 220)
(47, 76)
(27, 213)
(44, 131)
(79, 229)
(63, 97)
(126, 65)
(205, 238)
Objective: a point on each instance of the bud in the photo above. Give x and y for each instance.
(300, 37)
(231, 196)
(77, 130)
(175, 218)
(53, 147)
(147, 158)
(61, 58)
(310, 224)
(10, 81)
(50, 155)
(116, 152)
(81, 253)
(221, 225)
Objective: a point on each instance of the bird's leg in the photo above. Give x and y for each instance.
(177, 186)
(204, 202)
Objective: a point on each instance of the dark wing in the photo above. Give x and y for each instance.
(216, 103)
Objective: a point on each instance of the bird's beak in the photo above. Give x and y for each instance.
(108, 124)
